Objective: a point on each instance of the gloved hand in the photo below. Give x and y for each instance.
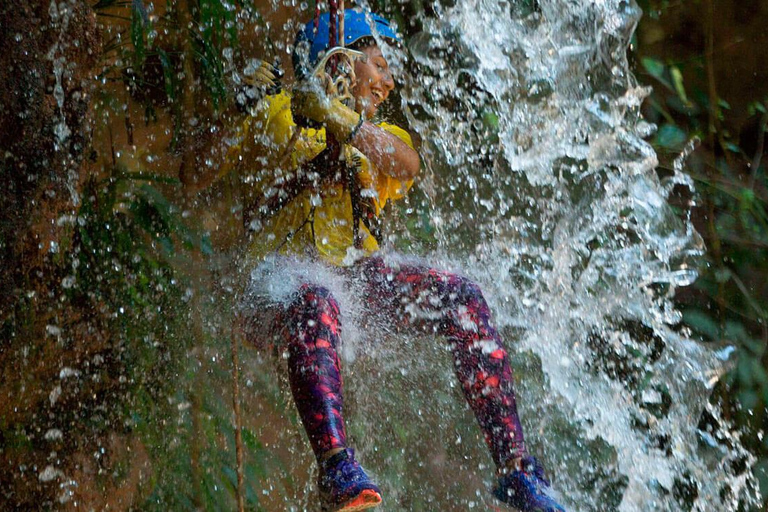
(312, 104)
(258, 79)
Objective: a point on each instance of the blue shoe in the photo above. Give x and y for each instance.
(344, 485)
(526, 489)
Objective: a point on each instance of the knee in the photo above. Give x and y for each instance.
(472, 314)
(314, 298)
(314, 314)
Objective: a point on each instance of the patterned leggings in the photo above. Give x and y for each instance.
(417, 297)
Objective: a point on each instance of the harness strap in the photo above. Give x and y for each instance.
(329, 163)
(325, 168)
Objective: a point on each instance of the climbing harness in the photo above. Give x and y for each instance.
(336, 74)
(333, 74)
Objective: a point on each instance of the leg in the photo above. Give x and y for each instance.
(454, 307)
(312, 329)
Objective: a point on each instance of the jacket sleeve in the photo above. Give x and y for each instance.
(262, 147)
(389, 188)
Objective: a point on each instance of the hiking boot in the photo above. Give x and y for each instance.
(526, 489)
(344, 485)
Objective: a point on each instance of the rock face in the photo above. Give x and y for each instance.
(74, 284)
(49, 54)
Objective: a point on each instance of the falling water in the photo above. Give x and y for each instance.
(538, 183)
(537, 169)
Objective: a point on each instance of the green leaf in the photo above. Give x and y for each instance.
(759, 372)
(735, 331)
(138, 38)
(760, 470)
(677, 80)
(751, 347)
(655, 68)
(749, 399)
(744, 371)
(168, 74)
(231, 475)
(701, 323)
(491, 120)
(671, 137)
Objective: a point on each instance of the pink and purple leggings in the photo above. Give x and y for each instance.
(417, 297)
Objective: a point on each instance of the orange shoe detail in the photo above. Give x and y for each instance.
(365, 500)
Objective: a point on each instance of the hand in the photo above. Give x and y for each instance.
(258, 79)
(311, 104)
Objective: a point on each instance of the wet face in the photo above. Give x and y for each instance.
(373, 81)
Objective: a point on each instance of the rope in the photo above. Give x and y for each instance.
(339, 85)
(333, 11)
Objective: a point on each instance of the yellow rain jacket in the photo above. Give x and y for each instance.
(261, 147)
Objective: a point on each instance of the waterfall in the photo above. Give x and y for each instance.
(540, 186)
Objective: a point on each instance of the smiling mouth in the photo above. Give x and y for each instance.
(378, 96)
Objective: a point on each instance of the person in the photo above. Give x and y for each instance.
(317, 188)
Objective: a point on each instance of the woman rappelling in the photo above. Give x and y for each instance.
(318, 173)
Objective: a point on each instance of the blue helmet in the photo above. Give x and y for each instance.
(356, 27)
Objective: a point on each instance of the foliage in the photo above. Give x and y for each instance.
(144, 264)
(135, 258)
(727, 304)
(162, 64)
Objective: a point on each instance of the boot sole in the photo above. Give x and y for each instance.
(363, 501)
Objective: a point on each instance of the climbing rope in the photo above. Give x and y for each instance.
(337, 77)
(338, 74)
